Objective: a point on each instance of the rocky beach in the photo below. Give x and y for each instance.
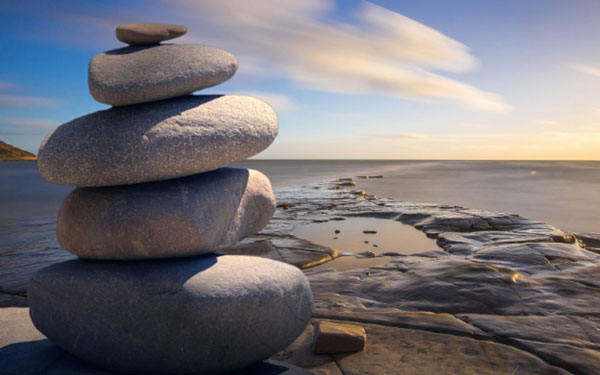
(501, 294)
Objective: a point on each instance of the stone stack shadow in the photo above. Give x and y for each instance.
(153, 205)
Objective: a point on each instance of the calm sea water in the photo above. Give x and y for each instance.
(565, 194)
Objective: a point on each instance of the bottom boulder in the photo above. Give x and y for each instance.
(207, 314)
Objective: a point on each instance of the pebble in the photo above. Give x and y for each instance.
(148, 33)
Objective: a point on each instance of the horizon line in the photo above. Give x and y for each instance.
(341, 159)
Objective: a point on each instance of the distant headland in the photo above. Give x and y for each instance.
(12, 153)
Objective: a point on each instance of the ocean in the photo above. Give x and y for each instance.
(563, 193)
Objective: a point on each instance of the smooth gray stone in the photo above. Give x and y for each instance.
(148, 33)
(180, 217)
(157, 141)
(138, 74)
(208, 314)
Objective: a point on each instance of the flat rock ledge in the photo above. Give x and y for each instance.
(502, 295)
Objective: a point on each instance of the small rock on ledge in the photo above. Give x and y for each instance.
(333, 337)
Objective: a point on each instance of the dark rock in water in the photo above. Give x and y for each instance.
(367, 177)
(360, 193)
(285, 206)
(591, 241)
(208, 314)
(138, 74)
(180, 217)
(148, 33)
(157, 141)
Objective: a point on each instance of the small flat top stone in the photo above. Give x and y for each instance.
(148, 33)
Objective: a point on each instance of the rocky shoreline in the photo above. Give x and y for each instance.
(503, 294)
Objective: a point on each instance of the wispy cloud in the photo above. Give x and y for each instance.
(12, 100)
(19, 101)
(25, 126)
(23, 132)
(27, 122)
(384, 52)
(378, 52)
(587, 69)
(6, 85)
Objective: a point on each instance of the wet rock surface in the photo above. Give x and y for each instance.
(503, 294)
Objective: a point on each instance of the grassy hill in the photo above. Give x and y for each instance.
(11, 153)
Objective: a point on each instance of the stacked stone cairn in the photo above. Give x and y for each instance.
(153, 206)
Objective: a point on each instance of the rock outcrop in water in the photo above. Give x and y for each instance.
(128, 305)
(12, 153)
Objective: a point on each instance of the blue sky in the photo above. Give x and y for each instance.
(463, 79)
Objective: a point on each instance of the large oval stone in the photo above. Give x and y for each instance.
(157, 141)
(138, 74)
(200, 315)
(148, 33)
(180, 217)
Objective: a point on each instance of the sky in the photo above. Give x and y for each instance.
(431, 79)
